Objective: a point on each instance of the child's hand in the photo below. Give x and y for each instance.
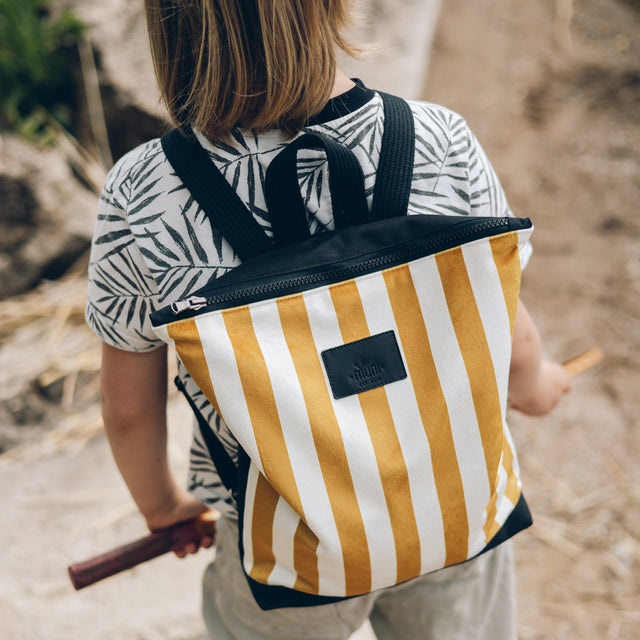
(551, 384)
(178, 508)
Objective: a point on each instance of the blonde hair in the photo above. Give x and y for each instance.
(257, 64)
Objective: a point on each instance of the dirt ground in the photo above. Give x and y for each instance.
(552, 90)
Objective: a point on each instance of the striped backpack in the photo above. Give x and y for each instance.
(363, 371)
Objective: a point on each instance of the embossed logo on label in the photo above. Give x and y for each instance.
(364, 374)
(364, 364)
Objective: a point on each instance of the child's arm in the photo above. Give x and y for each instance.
(535, 385)
(134, 397)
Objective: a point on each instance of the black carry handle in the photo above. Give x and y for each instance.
(285, 202)
(346, 182)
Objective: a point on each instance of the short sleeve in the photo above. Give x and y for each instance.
(121, 291)
(487, 197)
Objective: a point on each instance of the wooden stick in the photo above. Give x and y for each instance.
(583, 361)
(85, 573)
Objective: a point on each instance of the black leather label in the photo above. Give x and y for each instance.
(363, 365)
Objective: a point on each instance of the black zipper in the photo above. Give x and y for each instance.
(428, 247)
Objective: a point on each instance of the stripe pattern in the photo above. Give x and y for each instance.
(341, 498)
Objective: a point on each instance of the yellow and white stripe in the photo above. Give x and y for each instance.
(350, 495)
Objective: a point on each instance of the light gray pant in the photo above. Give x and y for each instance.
(472, 601)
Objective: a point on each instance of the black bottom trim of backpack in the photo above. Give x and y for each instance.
(518, 520)
(276, 597)
(273, 597)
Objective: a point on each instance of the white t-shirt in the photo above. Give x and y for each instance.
(153, 244)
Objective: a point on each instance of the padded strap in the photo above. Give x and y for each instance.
(395, 167)
(285, 202)
(214, 194)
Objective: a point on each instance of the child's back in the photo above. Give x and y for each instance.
(246, 77)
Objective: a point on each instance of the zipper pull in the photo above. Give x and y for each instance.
(192, 303)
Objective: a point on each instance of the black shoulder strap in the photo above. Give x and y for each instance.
(214, 194)
(395, 167)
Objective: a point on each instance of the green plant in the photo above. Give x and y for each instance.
(37, 46)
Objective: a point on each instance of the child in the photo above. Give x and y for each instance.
(247, 76)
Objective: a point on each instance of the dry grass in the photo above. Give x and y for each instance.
(46, 343)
